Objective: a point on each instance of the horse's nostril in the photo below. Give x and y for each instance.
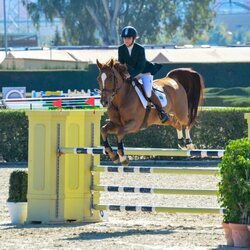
(104, 103)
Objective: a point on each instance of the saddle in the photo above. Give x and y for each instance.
(143, 97)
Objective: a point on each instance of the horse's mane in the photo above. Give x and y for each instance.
(121, 68)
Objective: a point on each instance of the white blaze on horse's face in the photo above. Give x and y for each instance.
(103, 77)
(106, 95)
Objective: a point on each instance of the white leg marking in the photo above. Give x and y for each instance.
(122, 158)
(179, 133)
(187, 134)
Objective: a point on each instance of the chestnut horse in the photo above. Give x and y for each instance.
(183, 88)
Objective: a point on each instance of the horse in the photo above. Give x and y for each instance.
(183, 88)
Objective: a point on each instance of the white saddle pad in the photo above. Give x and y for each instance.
(158, 91)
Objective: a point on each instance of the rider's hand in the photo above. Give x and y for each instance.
(129, 79)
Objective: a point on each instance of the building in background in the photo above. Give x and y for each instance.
(20, 29)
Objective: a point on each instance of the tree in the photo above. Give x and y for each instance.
(57, 41)
(100, 21)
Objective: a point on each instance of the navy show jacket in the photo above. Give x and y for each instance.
(136, 62)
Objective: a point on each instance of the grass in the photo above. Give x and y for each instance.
(231, 97)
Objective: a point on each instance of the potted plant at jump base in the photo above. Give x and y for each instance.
(17, 200)
(234, 191)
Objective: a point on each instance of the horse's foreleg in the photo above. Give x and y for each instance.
(128, 128)
(123, 158)
(109, 128)
(188, 142)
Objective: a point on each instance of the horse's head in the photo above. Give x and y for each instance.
(110, 79)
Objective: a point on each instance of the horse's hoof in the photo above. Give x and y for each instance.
(125, 163)
(182, 144)
(124, 160)
(190, 146)
(115, 158)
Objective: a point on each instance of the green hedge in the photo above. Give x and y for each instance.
(13, 135)
(214, 129)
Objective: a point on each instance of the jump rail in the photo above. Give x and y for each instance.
(156, 170)
(143, 190)
(217, 153)
(157, 209)
(150, 170)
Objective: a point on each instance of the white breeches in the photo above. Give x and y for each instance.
(147, 80)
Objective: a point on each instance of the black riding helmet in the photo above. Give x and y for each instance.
(129, 31)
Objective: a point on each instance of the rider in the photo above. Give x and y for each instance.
(133, 55)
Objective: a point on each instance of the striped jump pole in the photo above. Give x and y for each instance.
(157, 209)
(143, 190)
(217, 153)
(156, 170)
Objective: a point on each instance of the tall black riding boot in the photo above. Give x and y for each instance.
(162, 114)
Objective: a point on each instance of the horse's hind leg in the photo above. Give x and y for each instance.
(109, 128)
(188, 141)
(181, 140)
(184, 143)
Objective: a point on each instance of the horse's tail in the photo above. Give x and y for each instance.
(193, 84)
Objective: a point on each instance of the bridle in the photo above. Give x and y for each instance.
(115, 89)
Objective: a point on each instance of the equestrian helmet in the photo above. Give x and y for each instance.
(129, 31)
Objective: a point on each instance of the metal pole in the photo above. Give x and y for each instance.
(5, 28)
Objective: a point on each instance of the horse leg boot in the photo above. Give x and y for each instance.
(108, 149)
(123, 158)
(162, 114)
(114, 157)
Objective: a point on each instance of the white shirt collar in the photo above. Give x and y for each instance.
(130, 49)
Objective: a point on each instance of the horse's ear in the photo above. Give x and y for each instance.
(99, 64)
(111, 63)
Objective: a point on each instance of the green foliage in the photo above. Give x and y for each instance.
(13, 135)
(231, 97)
(227, 101)
(196, 11)
(106, 18)
(212, 91)
(239, 91)
(18, 185)
(57, 39)
(221, 36)
(214, 128)
(234, 187)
